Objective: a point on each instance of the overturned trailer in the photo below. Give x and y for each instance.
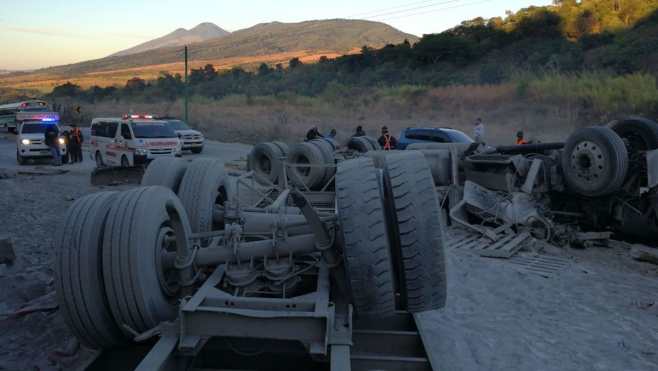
(208, 262)
(602, 178)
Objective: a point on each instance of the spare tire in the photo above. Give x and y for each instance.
(78, 274)
(367, 253)
(360, 144)
(594, 161)
(166, 172)
(415, 232)
(307, 154)
(265, 160)
(640, 134)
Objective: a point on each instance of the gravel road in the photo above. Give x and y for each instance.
(599, 311)
(31, 207)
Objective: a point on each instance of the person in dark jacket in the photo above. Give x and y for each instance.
(386, 140)
(51, 139)
(359, 132)
(313, 133)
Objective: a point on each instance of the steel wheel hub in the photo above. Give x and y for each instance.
(168, 277)
(588, 162)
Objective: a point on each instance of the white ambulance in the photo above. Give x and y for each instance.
(132, 140)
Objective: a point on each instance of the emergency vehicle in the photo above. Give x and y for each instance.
(131, 140)
(31, 139)
(8, 112)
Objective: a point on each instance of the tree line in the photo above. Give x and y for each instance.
(616, 36)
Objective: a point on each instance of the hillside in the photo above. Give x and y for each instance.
(202, 32)
(261, 42)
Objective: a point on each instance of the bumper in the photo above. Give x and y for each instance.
(192, 144)
(38, 152)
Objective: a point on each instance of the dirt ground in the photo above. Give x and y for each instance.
(599, 311)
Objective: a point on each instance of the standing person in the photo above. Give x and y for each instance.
(76, 143)
(478, 131)
(313, 133)
(359, 132)
(51, 139)
(520, 139)
(387, 141)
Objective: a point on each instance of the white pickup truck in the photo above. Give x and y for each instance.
(30, 139)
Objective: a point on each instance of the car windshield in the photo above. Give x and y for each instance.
(34, 128)
(152, 130)
(178, 125)
(459, 137)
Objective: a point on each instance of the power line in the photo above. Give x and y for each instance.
(369, 13)
(436, 10)
(392, 13)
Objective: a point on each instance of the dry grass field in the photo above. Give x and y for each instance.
(44, 82)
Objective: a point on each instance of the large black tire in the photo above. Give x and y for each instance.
(594, 161)
(265, 160)
(202, 187)
(78, 272)
(359, 144)
(367, 253)
(329, 157)
(640, 134)
(166, 172)
(415, 231)
(138, 294)
(374, 144)
(311, 154)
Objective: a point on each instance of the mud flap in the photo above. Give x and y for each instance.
(117, 175)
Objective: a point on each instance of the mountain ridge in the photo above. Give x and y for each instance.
(202, 32)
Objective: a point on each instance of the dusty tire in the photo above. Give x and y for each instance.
(415, 231)
(640, 134)
(367, 254)
(265, 160)
(20, 159)
(374, 144)
(311, 154)
(202, 187)
(78, 272)
(329, 157)
(132, 244)
(166, 172)
(594, 161)
(359, 144)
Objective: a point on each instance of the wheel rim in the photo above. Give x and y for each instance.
(168, 277)
(588, 162)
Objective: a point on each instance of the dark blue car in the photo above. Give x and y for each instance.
(431, 135)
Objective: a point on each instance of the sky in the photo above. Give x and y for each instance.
(42, 33)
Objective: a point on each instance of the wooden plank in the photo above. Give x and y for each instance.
(507, 250)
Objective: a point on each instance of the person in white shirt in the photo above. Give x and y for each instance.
(478, 131)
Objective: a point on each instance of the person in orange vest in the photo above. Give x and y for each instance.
(75, 141)
(520, 139)
(387, 141)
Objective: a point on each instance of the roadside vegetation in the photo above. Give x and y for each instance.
(574, 63)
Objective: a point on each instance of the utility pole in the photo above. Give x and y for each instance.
(186, 83)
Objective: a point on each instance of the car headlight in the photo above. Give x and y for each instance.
(141, 151)
(61, 141)
(26, 142)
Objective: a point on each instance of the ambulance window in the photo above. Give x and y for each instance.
(111, 129)
(125, 132)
